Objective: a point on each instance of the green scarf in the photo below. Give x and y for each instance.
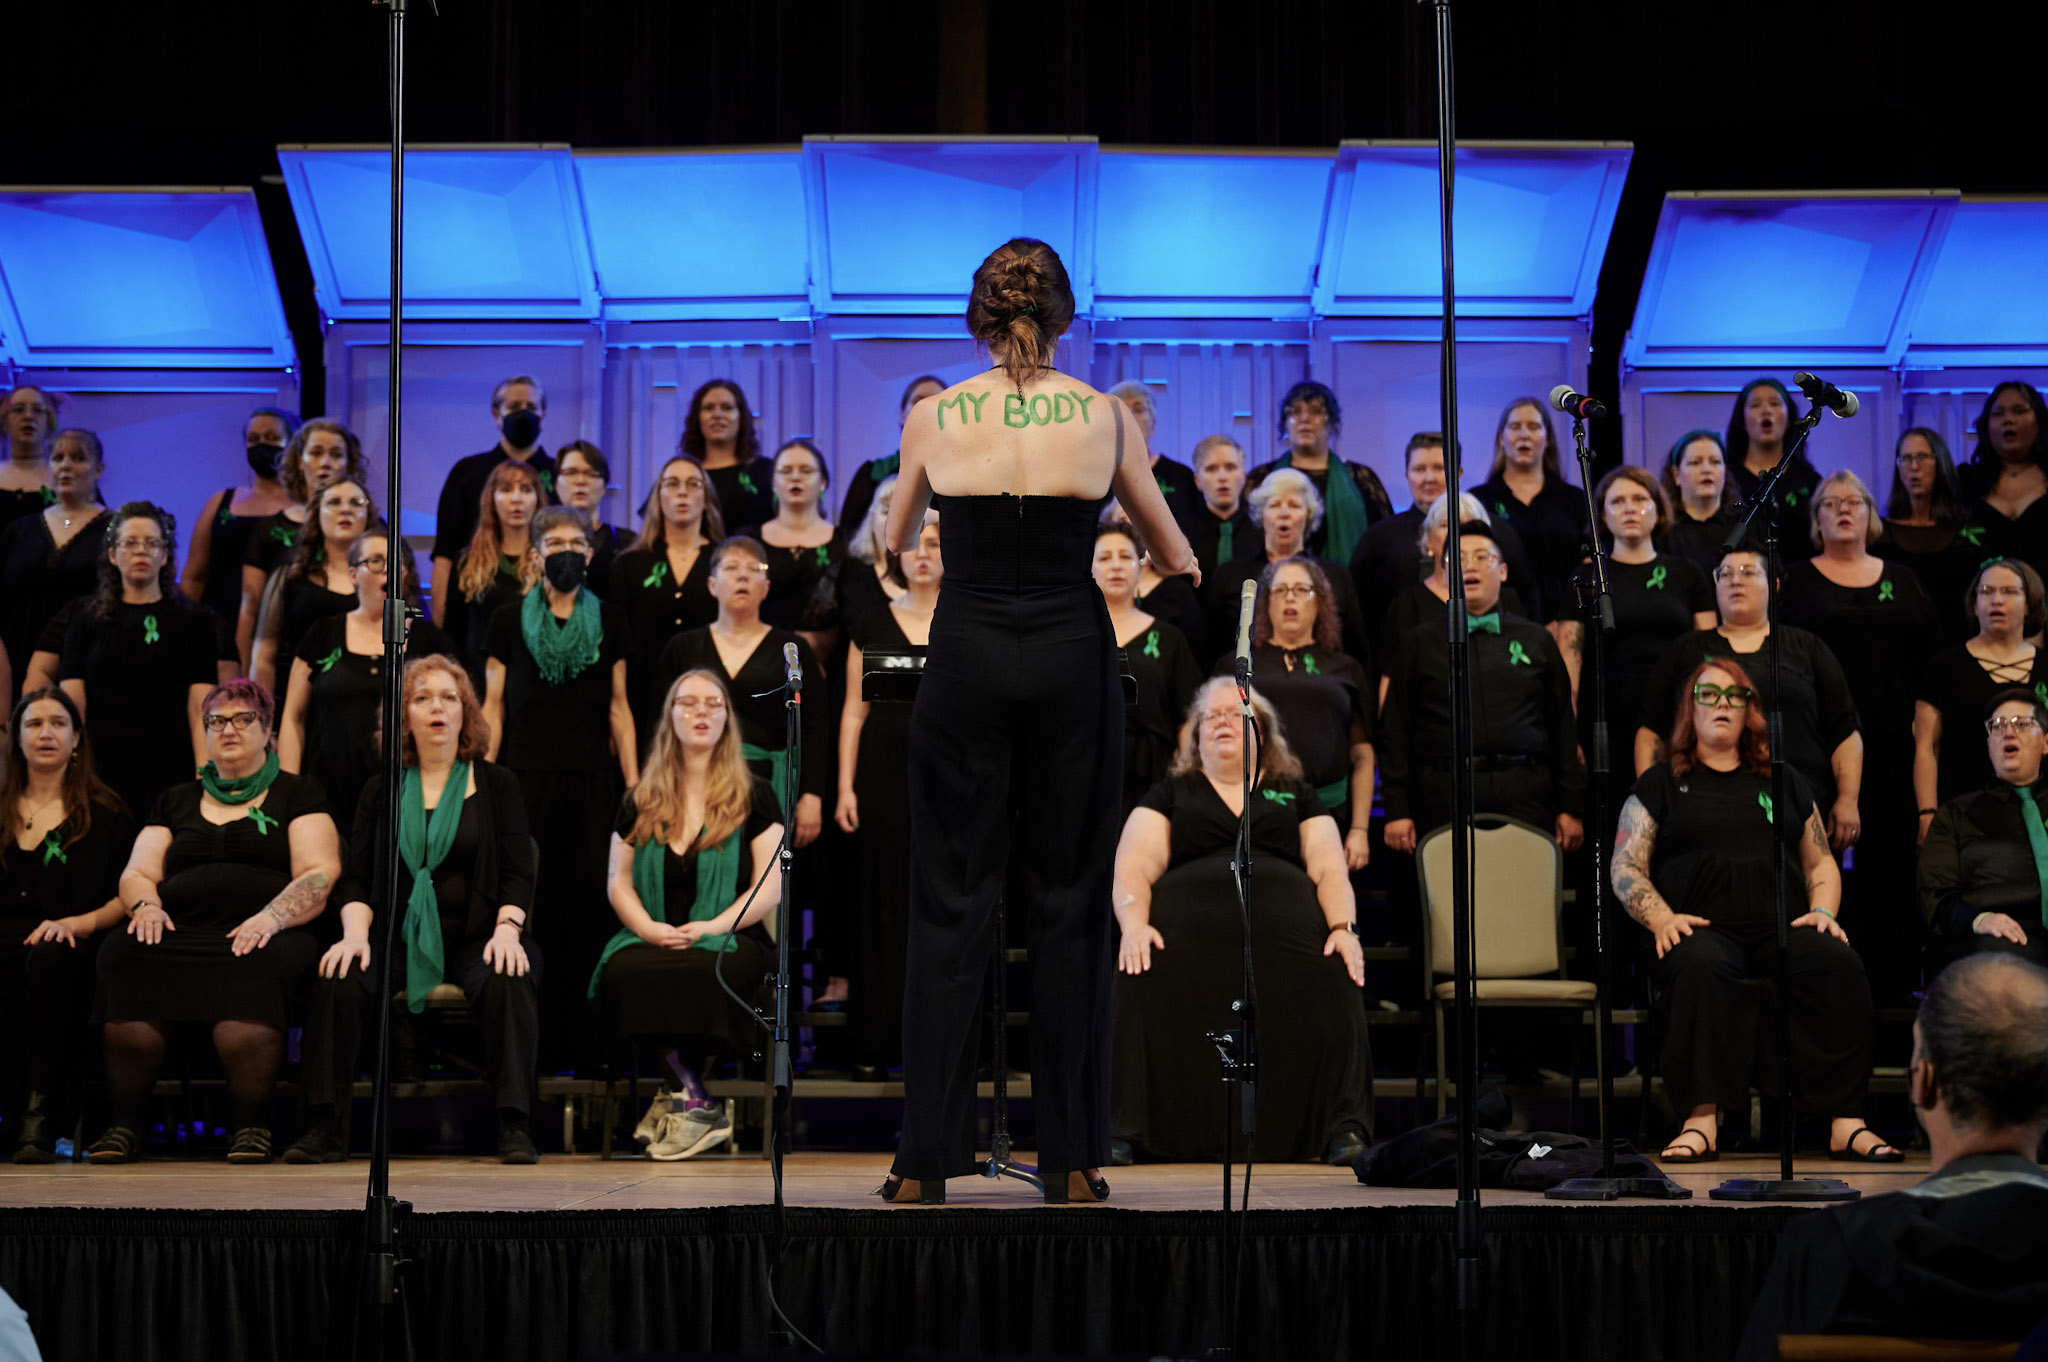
(423, 844)
(2037, 837)
(777, 778)
(1344, 513)
(561, 652)
(885, 467)
(242, 789)
(718, 879)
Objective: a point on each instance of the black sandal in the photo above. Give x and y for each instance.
(1707, 1153)
(118, 1145)
(1848, 1154)
(250, 1145)
(900, 1191)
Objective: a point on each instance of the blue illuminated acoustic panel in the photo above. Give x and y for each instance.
(1987, 297)
(1531, 228)
(490, 232)
(1200, 234)
(1776, 280)
(898, 226)
(138, 278)
(679, 235)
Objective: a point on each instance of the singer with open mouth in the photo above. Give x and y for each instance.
(1016, 740)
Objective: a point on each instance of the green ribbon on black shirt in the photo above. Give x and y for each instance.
(2037, 837)
(718, 879)
(423, 843)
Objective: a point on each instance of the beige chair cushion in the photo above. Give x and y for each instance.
(441, 995)
(1525, 990)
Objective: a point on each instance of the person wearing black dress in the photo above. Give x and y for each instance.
(1220, 530)
(314, 584)
(1928, 528)
(1310, 420)
(1156, 656)
(719, 434)
(30, 418)
(874, 808)
(1958, 684)
(692, 878)
(1822, 737)
(518, 406)
(1015, 743)
(1180, 956)
(2006, 481)
(139, 658)
(556, 706)
(1287, 509)
(468, 875)
(1984, 863)
(1175, 480)
(806, 553)
(1693, 863)
(582, 476)
(1705, 507)
(873, 583)
(663, 579)
(63, 840)
(1527, 489)
(859, 500)
(220, 539)
(1757, 425)
(500, 567)
(225, 874)
(54, 557)
(320, 452)
(332, 709)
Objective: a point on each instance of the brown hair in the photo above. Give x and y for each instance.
(746, 441)
(1642, 478)
(475, 739)
(1021, 305)
(310, 553)
(1552, 469)
(82, 786)
(291, 469)
(480, 559)
(1329, 624)
(728, 789)
(1752, 748)
(654, 527)
(2030, 585)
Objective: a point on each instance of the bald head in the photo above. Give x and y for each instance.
(1983, 1025)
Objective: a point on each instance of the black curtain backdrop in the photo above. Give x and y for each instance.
(1563, 1283)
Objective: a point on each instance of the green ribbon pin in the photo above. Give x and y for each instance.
(1308, 664)
(1518, 656)
(547, 481)
(658, 576)
(1792, 498)
(1657, 575)
(1152, 644)
(824, 555)
(226, 512)
(1166, 489)
(281, 533)
(746, 481)
(263, 821)
(1764, 802)
(1884, 591)
(326, 664)
(1500, 508)
(49, 496)
(1279, 796)
(53, 850)
(1974, 534)
(2041, 691)
(149, 633)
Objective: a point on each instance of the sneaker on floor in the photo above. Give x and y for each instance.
(516, 1146)
(118, 1145)
(687, 1134)
(321, 1143)
(250, 1145)
(649, 1129)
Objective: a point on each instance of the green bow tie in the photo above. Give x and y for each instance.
(1484, 624)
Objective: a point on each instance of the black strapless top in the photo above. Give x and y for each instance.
(1007, 543)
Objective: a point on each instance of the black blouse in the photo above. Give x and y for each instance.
(39, 578)
(217, 874)
(1322, 699)
(489, 867)
(1959, 688)
(746, 491)
(1699, 542)
(1881, 635)
(1712, 857)
(1553, 529)
(1654, 605)
(54, 880)
(1203, 824)
(1945, 558)
(556, 728)
(343, 703)
(763, 720)
(803, 583)
(658, 607)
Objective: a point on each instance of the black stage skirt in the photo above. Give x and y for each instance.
(647, 991)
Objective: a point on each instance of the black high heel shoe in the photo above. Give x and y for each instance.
(901, 1191)
(1076, 1188)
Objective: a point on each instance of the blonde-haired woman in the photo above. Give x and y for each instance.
(875, 582)
(501, 564)
(1179, 960)
(692, 877)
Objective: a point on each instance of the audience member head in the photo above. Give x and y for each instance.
(801, 476)
(561, 534)
(320, 451)
(339, 512)
(1287, 508)
(511, 498)
(1212, 735)
(2016, 734)
(696, 735)
(739, 578)
(264, 436)
(1632, 505)
(1435, 529)
(1742, 591)
(1718, 713)
(1138, 398)
(1020, 306)
(1525, 441)
(719, 419)
(77, 460)
(1423, 465)
(370, 560)
(1924, 471)
(46, 741)
(141, 558)
(1763, 412)
(1844, 513)
(916, 391)
(867, 542)
(444, 720)
(582, 475)
(518, 405)
(31, 416)
(2012, 428)
(1696, 474)
(1296, 607)
(1481, 566)
(1310, 418)
(1219, 473)
(1116, 567)
(1979, 1075)
(237, 716)
(2005, 598)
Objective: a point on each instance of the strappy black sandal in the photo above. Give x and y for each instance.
(250, 1145)
(902, 1191)
(1848, 1154)
(1707, 1153)
(118, 1145)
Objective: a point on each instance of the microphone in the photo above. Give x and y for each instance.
(1822, 393)
(794, 670)
(1575, 404)
(1245, 602)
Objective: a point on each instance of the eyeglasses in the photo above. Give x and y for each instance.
(693, 704)
(682, 484)
(1833, 505)
(564, 473)
(352, 503)
(240, 722)
(738, 568)
(142, 545)
(576, 545)
(2012, 723)
(378, 563)
(1741, 572)
(2000, 593)
(1476, 560)
(1295, 591)
(1735, 697)
(1915, 456)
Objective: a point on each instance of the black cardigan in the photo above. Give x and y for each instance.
(504, 868)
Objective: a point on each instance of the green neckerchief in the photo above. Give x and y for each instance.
(242, 789)
(423, 844)
(1344, 513)
(561, 652)
(718, 880)
(885, 467)
(2037, 835)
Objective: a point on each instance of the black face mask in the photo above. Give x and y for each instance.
(264, 459)
(521, 428)
(565, 570)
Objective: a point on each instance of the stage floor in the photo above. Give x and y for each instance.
(814, 1181)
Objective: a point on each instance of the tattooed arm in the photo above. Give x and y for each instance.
(1634, 841)
(1823, 880)
(316, 861)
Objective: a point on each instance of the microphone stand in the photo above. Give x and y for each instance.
(1596, 603)
(1784, 1187)
(781, 1068)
